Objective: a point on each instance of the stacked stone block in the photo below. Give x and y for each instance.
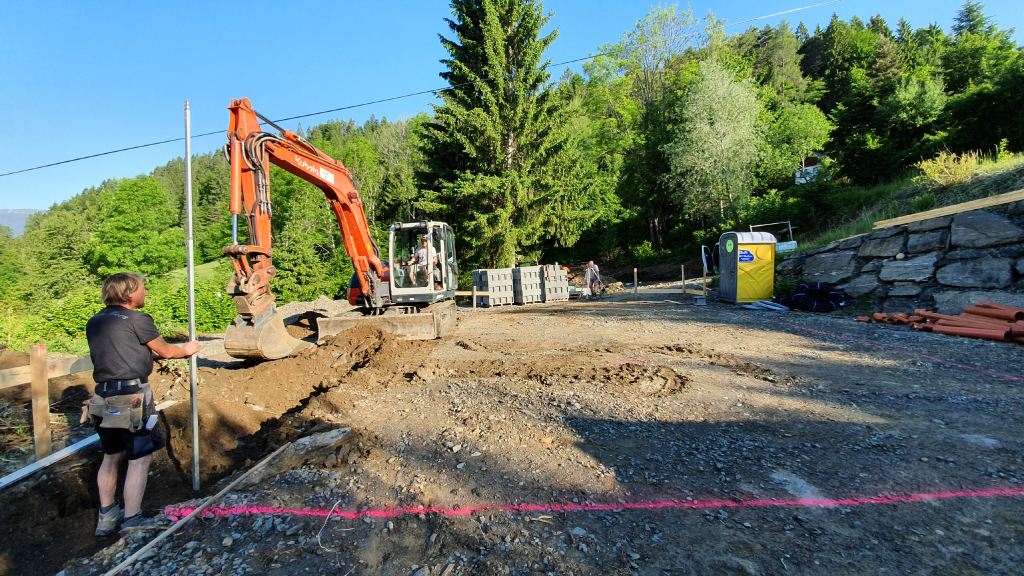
(942, 263)
(526, 284)
(554, 283)
(498, 282)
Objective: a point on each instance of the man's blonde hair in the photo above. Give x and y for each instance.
(117, 288)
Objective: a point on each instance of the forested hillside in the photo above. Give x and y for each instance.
(668, 137)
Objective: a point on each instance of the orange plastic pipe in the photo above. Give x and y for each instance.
(985, 319)
(993, 305)
(979, 320)
(969, 325)
(999, 313)
(972, 332)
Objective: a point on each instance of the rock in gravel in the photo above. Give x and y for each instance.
(930, 224)
(928, 241)
(953, 302)
(227, 541)
(312, 447)
(918, 269)
(883, 247)
(980, 273)
(832, 266)
(862, 285)
(790, 266)
(852, 242)
(578, 532)
(980, 229)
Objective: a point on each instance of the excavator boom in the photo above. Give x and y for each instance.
(258, 330)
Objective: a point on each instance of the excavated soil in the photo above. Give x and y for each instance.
(583, 403)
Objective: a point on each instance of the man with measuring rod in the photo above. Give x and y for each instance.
(123, 343)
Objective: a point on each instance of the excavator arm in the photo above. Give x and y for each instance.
(258, 330)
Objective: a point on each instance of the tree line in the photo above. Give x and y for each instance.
(665, 139)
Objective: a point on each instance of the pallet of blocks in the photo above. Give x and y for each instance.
(497, 282)
(526, 284)
(554, 283)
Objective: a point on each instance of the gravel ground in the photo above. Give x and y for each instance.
(609, 406)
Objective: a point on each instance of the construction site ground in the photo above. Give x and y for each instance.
(763, 443)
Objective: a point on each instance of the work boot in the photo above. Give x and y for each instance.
(109, 521)
(133, 521)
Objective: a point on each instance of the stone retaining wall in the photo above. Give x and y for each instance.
(943, 263)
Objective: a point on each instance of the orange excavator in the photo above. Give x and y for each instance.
(410, 294)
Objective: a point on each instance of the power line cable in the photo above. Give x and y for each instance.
(352, 106)
(781, 13)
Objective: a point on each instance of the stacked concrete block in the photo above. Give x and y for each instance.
(526, 287)
(554, 283)
(498, 282)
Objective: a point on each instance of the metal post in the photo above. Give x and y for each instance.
(636, 285)
(193, 385)
(682, 270)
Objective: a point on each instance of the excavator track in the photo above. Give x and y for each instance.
(432, 322)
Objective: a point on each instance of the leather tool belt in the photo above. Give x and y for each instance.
(129, 406)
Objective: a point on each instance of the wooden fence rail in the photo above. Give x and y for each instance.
(38, 374)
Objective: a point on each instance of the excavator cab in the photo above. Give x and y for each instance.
(422, 260)
(421, 277)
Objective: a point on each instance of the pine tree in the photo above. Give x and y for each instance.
(801, 32)
(878, 25)
(497, 133)
(907, 44)
(885, 67)
(970, 19)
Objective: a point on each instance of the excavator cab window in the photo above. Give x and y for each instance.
(410, 267)
(439, 268)
(451, 269)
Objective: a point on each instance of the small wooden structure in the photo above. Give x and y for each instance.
(38, 374)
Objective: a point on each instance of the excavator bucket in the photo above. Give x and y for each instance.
(269, 341)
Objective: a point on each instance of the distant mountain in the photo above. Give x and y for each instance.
(15, 219)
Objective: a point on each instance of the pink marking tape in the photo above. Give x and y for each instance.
(872, 344)
(176, 512)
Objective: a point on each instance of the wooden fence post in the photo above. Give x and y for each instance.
(40, 402)
(474, 296)
(636, 285)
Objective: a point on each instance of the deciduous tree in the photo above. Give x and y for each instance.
(715, 142)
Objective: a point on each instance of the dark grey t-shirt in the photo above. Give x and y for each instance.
(117, 344)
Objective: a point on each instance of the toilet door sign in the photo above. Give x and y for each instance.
(746, 256)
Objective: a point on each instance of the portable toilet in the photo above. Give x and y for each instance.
(747, 264)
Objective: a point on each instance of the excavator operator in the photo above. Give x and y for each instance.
(421, 259)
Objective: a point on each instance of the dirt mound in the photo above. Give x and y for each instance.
(247, 409)
(13, 359)
(304, 326)
(725, 361)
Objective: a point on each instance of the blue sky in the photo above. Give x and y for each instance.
(87, 77)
